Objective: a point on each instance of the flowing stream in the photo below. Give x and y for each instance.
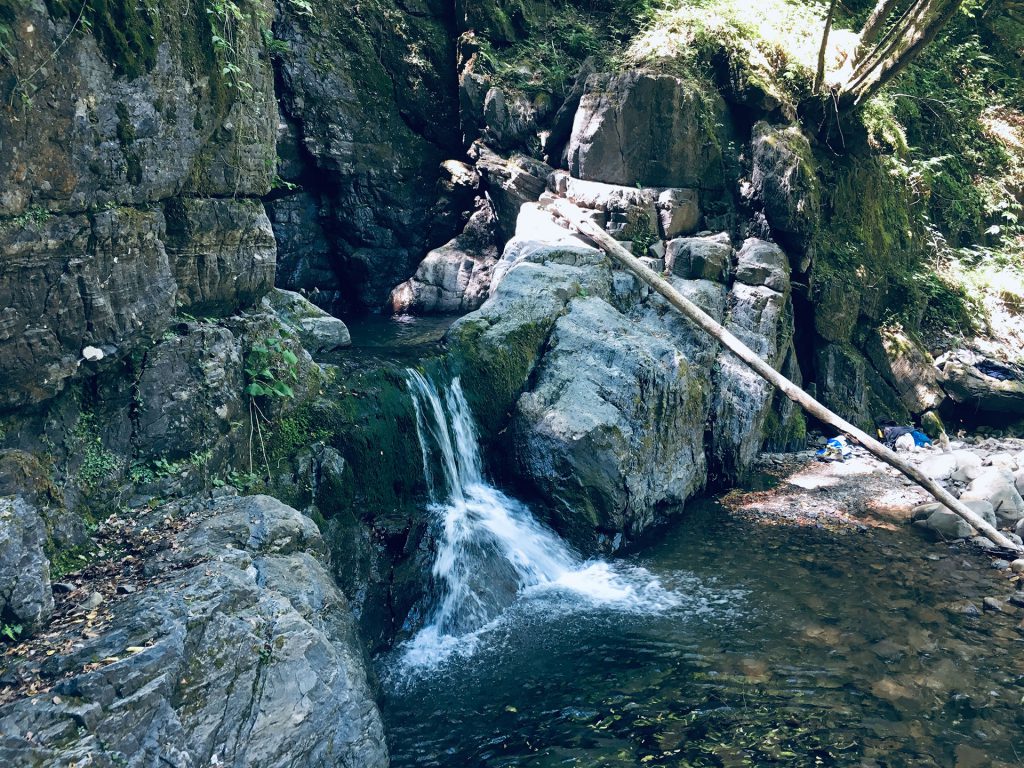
(729, 642)
(492, 552)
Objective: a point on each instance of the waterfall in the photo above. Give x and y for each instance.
(490, 547)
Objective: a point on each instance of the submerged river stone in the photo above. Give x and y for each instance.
(242, 653)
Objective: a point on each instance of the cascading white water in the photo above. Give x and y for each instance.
(490, 546)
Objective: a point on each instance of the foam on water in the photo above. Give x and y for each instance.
(492, 552)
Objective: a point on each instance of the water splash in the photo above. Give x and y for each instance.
(491, 548)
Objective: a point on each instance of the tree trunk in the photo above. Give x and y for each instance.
(907, 42)
(876, 21)
(819, 78)
(602, 239)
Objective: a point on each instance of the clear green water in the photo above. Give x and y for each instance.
(795, 647)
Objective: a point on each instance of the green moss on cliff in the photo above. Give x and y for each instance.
(128, 32)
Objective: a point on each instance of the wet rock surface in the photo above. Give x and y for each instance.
(238, 650)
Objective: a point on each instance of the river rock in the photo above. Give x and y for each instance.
(1018, 481)
(907, 366)
(611, 429)
(242, 653)
(947, 525)
(968, 466)
(640, 128)
(983, 509)
(509, 182)
(1002, 461)
(317, 330)
(25, 596)
(939, 467)
(996, 487)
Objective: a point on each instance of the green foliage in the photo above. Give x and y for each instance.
(11, 631)
(97, 463)
(127, 31)
(269, 368)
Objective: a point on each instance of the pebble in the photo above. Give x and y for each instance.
(94, 600)
(1000, 565)
(126, 589)
(991, 604)
(1017, 566)
(1017, 599)
(62, 587)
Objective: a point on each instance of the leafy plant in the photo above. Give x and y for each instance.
(11, 631)
(269, 368)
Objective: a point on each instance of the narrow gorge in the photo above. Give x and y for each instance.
(325, 442)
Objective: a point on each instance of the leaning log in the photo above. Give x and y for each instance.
(578, 220)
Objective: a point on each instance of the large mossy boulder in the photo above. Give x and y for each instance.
(25, 598)
(612, 428)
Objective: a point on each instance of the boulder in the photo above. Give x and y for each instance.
(1002, 461)
(612, 428)
(762, 263)
(241, 652)
(947, 525)
(678, 212)
(509, 182)
(454, 278)
(561, 125)
(939, 467)
(317, 330)
(1018, 480)
(640, 128)
(700, 258)
(25, 596)
(509, 121)
(785, 181)
(982, 384)
(996, 486)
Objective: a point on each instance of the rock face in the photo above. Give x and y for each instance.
(639, 128)
(785, 181)
(986, 385)
(613, 425)
(25, 598)
(241, 653)
(761, 316)
(89, 256)
(373, 150)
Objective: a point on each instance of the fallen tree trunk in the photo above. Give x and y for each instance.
(612, 247)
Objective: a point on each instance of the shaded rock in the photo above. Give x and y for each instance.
(639, 128)
(610, 429)
(700, 258)
(1018, 481)
(189, 390)
(841, 379)
(983, 384)
(317, 330)
(69, 282)
(509, 120)
(454, 278)
(305, 261)
(25, 595)
(247, 658)
(785, 181)
(223, 253)
(907, 366)
(561, 125)
(836, 308)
